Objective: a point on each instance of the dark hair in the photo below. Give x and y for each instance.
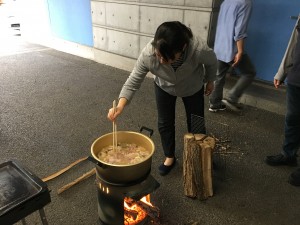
(170, 38)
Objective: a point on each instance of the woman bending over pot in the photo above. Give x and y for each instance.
(183, 66)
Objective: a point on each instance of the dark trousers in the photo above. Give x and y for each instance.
(292, 122)
(166, 104)
(248, 73)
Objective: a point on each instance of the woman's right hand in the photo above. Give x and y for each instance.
(113, 113)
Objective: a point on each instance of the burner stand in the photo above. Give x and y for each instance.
(111, 198)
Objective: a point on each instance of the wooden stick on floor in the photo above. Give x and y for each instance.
(79, 179)
(52, 176)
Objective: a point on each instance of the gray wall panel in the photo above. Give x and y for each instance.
(165, 2)
(152, 17)
(144, 41)
(124, 44)
(125, 27)
(198, 22)
(203, 3)
(122, 16)
(100, 38)
(98, 12)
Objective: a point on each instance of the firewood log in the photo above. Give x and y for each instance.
(197, 164)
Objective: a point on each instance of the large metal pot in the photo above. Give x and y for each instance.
(123, 174)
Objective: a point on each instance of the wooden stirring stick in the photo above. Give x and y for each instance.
(115, 141)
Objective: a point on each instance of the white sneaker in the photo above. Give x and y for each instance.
(231, 105)
(217, 109)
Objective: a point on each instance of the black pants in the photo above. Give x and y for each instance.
(166, 104)
(291, 143)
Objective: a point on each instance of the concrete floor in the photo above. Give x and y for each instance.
(53, 106)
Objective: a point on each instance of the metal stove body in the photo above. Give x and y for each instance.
(111, 197)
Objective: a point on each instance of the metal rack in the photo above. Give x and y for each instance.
(21, 193)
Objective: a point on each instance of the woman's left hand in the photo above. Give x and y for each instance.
(209, 88)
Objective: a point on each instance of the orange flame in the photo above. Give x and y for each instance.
(136, 209)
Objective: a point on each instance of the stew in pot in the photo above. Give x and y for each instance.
(123, 154)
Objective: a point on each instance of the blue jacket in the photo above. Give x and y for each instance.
(232, 26)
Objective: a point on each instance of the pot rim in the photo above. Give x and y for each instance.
(126, 132)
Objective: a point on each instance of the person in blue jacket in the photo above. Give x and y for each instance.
(229, 44)
(290, 70)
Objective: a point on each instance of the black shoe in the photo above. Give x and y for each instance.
(164, 170)
(279, 160)
(294, 178)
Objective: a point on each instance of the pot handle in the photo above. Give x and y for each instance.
(147, 129)
(93, 160)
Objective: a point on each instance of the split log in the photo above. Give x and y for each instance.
(130, 213)
(197, 165)
(152, 211)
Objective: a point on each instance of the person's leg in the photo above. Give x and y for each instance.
(194, 106)
(166, 120)
(292, 131)
(247, 75)
(291, 142)
(215, 99)
(292, 122)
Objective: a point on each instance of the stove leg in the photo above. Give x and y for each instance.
(43, 216)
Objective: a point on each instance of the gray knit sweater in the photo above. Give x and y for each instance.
(199, 66)
(290, 65)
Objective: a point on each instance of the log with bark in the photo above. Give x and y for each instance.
(197, 165)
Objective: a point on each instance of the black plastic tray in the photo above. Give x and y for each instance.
(17, 186)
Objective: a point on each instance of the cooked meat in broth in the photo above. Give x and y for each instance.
(124, 154)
